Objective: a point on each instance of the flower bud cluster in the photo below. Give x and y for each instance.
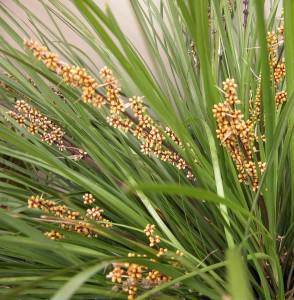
(88, 198)
(54, 235)
(279, 72)
(272, 42)
(277, 65)
(50, 206)
(237, 135)
(278, 69)
(72, 75)
(130, 276)
(149, 232)
(152, 137)
(36, 123)
(281, 97)
(112, 91)
(69, 219)
(255, 106)
(96, 213)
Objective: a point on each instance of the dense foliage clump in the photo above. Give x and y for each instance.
(172, 180)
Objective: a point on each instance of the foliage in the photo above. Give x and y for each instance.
(218, 235)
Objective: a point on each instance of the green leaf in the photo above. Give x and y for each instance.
(237, 276)
(69, 289)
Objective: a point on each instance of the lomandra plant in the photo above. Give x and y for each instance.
(172, 180)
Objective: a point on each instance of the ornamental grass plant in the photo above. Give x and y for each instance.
(171, 179)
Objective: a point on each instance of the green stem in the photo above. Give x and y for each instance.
(219, 184)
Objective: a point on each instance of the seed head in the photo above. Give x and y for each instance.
(54, 235)
(88, 198)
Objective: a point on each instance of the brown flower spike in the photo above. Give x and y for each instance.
(36, 123)
(67, 218)
(131, 276)
(237, 136)
(141, 126)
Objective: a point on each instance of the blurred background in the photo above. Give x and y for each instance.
(121, 9)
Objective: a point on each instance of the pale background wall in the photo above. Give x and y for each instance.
(121, 9)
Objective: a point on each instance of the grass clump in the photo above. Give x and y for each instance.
(133, 181)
